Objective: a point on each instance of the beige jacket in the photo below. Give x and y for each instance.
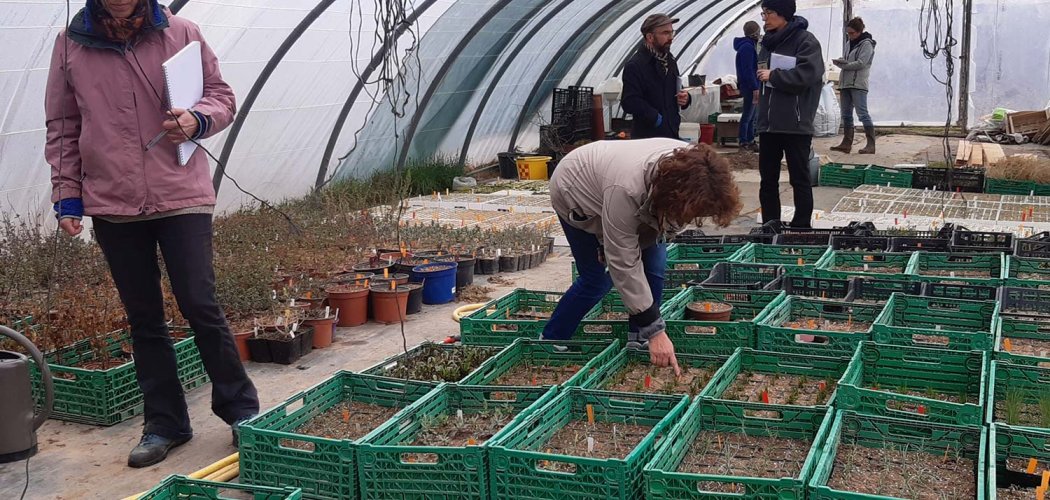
(603, 188)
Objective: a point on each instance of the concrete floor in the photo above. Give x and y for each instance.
(79, 461)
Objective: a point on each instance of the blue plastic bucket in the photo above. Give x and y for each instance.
(439, 281)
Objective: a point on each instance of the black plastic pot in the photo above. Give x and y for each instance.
(508, 263)
(259, 349)
(306, 341)
(477, 266)
(537, 258)
(375, 269)
(488, 265)
(415, 298)
(465, 271)
(286, 352)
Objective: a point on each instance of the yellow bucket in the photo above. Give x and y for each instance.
(533, 168)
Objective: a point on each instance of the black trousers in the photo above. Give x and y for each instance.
(185, 242)
(772, 149)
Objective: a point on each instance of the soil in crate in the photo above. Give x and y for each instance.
(781, 389)
(527, 374)
(1013, 409)
(927, 393)
(613, 316)
(1027, 347)
(1036, 277)
(450, 430)
(827, 325)
(632, 378)
(611, 440)
(871, 269)
(1019, 467)
(903, 473)
(347, 420)
(431, 362)
(958, 273)
(687, 267)
(738, 454)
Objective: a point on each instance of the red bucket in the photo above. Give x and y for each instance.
(707, 133)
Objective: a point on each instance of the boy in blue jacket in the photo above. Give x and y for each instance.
(747, 82)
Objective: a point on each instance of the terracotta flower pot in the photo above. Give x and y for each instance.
(241, 340)
(323, 331)
(389, 306)
(352, 303)
(709, 311)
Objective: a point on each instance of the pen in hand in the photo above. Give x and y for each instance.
(155, 140)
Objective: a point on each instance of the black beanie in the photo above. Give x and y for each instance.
(786, 8)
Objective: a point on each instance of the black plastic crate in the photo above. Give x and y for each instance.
(1025, 302)
(696, 236)
(766, 238)
(1037, 245)
(822, 288)
(860, 243)
(879, 290)
(964, 240)
(743, 276)
(915, 243)
(960, 291)
(778, 227)
(964, 180)
(811, 239)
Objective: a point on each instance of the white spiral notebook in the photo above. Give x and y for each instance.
(184, 82)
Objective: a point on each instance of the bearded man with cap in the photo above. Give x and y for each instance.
(652, 84)
(792, 76)
(747, 81)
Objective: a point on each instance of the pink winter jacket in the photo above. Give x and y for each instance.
(102, 111)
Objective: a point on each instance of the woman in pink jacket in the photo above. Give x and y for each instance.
(105, 103)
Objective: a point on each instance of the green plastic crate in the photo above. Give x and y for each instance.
(797, 260)
(892, 177)
(720, 338)
(824, 288)
(842, 175)
(815, 368)
(895, 264)
(593, 327)
(588, 355)
(954, 324)
(605, 375)
(1016, 266)
(959, 291)
(880, 432)
(383, 368)
(1009, 186)
(1020, 445)
(1026, 388)
(515, 458)
(895, 370)
(108, 397)
(690, 253)
(991, 265)
(676, 279)
(185, 488)
(390, 466)
(744, 276)
(270, 451)
(878, 291)
(494, 324)
(774, 336)
(664, 482)
(1020, 329)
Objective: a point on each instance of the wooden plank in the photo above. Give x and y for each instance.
(963, 154)
(976, 155)
(993, 153)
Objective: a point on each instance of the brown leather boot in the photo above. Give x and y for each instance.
(847, 141)
(869, 149)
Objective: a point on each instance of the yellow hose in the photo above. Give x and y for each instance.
(221, 471)
(465, 310)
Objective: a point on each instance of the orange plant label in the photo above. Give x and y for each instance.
(922, 410)
(648, 381)
(346, 415)
(1008, 345)
(590, 414)
(765, 396)
(472, 442)
(1032, 464)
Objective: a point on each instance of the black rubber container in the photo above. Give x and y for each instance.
(508, 263)
(465, 271)
(415, 298)
(488, 265)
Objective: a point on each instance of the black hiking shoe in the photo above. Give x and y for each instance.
(152, 449)
(235, 429)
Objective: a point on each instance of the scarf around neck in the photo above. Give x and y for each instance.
(121, 30)
(663, 57)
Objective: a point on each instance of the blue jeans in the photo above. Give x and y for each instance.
(855, 99)
(594, 282)
(748, 117)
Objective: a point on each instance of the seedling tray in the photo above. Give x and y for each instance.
(940, 267)
(842, 175)
(272, 453)
(807, 370)
(946, 444)
(743, 421)
(939, 323)
(184, 488)
(110, 396)
(589, 356)
(889, 177)
(842, 264)
(519, 463)
(697, 372)
(823, 288)
(717, 337)
(1019, 396)
(821, 339)
(743, 276)
(911, 382)
(391, 466)
(520, 313)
